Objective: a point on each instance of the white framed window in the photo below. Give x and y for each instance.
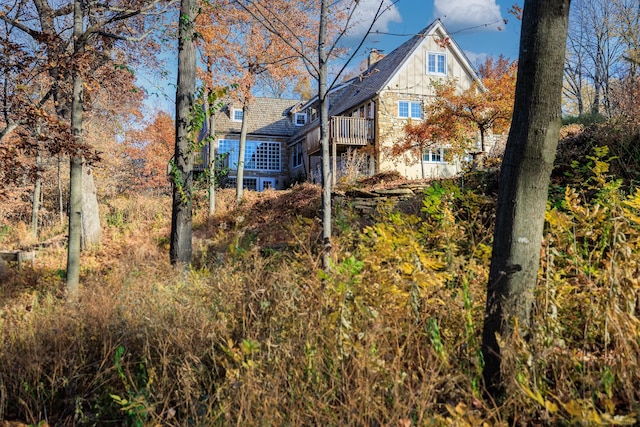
(267, 183)
(258, 155)
(435, 155)
(253, 183)
(297, 154)
(409, 110)
(236, 115)
(300, 119)
(247, 183)
(437, 63)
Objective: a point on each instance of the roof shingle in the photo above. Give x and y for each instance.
(267, 116)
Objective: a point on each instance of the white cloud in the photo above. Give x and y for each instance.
(476, 58)
(468, 14)
(365, 13)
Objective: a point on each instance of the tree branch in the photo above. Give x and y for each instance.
(30, 31)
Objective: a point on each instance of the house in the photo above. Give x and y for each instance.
(368, 112)
(271, 124)
(367, 115)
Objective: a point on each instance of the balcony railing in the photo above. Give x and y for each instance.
(343, 131)
(351, 130)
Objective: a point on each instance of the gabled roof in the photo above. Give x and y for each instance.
(371, 82)
(267, 117)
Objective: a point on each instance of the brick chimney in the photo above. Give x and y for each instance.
(374, 56)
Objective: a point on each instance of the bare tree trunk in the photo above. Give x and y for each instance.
(597, 84)
(334, 161)
(212, 179)
(76, 165)
(324, 137)
(180, 251)
(524, 182)
(211, 149)
(75, 225)
(37, 187)
(241, 151)
(60, 201)
(580, 105)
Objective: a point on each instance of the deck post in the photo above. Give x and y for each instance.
(335, 163)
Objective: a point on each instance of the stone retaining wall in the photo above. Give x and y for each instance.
(366, 202)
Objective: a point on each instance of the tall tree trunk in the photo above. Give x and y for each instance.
(35, 207)
(324, 136)
(210, 119)
(60, 201)
(241, 150)
(180, 250)
(580, 103)
(597, 80)
(211, 156)
(76, 165)
(524, 181)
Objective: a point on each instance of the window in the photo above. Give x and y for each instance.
(236, 115)
(407, 109)
(247, 183)
(258, 155)
(252, 183)
(296, 155)
(435, 155)
(300, 119)
(267, 183)
(415, 110)
(437, 63)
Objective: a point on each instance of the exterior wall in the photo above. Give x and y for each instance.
(301, 171)
(413, 83)
(390, 130)
(413, 76)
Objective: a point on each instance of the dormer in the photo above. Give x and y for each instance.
(300, 119)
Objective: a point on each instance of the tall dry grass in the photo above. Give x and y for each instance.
(255, 334)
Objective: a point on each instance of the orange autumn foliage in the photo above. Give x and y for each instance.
(455, 118)
(151, 149)
(242, 52)
(431, 132)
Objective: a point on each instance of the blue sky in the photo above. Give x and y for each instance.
(477, 26)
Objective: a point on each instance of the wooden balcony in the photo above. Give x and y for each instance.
(349, 131)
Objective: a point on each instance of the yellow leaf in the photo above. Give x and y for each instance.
(611, 407)
(407, 268)
(461, 409)
(573, 408)
(550, 406)
(537, 396)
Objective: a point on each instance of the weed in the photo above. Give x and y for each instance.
(389, 337)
